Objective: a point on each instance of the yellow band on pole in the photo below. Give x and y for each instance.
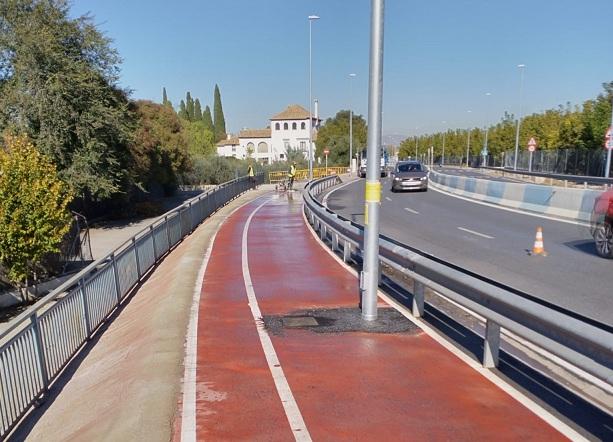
(373, 192)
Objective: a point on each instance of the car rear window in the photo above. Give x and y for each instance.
(409, 168)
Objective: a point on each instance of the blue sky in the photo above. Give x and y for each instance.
(441, 56)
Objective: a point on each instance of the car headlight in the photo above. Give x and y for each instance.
(396, 179)
(424, 178)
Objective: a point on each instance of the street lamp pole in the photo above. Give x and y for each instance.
(370, 273)
(311, 19)
(351, 76)
(443, 155)
(468, 143)
(521, 90)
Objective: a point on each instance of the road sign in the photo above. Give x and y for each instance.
(532, 144)
(326, 151)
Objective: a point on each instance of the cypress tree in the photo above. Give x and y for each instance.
(219, 122)
(208, 120)
(183, 110)
(164, 97)
(197, 111)
(189, 102)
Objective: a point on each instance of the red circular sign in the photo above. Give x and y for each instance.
(532, 145)
(326, 151)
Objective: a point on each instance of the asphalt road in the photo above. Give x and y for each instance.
(495, 243)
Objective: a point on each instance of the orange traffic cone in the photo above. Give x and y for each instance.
(539, 248)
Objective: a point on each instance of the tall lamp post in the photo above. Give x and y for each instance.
(468, 143)
(372, 195)
(521, 90)
(484, 152)
(311, 19)
(351, 77)
(443, 155)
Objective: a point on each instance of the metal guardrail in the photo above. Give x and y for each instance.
(578, 342)
(303, 174)
(39, 343)
(581, 179)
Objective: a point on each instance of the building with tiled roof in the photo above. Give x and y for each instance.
(288, 129)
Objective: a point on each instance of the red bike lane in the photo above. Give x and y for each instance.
(344, 385)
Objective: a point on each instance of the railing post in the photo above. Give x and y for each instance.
(491, 345)
(40, 351)
(335, 242)
(168, 229)
(155, 253)
(322, 231)
(418, 299)
(116, 273)
(85, 306)
(138, 272)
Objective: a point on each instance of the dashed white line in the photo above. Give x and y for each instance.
(411, 211)
(482, 235)
(388, 198)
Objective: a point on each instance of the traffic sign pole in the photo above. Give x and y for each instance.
(530, 162)
(531, 148)
(609, 146)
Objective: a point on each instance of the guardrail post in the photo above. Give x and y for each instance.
(168, 228)
(491, 345)
(40, 351)
(347, 251)
(418, 299)
(137, 258)
(322, 231)
(85, 306)
(116, 273)
(335, 242)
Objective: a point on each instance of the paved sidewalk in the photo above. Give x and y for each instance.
(282, 353)
(125, 387)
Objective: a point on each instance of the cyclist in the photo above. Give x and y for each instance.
(291, 174)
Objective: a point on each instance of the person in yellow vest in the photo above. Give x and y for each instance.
(251, 174)
(291, 174)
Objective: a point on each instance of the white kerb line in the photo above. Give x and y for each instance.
(411, 211)
(482, 235)
(298, 427)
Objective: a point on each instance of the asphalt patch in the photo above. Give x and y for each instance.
(339, 320)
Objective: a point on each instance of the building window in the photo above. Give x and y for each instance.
(285, 127)
(233, 148)
(250, 149)
(303, 125)
(277, 127)
(294, 127)
(282, 156)
(303, 145)
(286, 145)
(262, 147)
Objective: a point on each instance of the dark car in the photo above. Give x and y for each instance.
(409, 175)
(602, 224)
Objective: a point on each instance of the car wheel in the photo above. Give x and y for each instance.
(603, 237)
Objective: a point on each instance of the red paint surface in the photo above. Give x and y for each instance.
(349, 386)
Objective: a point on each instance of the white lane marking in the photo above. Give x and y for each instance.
(188, 412)
(411, 210)
(292, 412)
(324, 201)
(482, 235)
(508, 209)
(475, 365)
(388, 198)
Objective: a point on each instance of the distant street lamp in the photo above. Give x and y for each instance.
(468, 143)
(443, 156)
(487, 129)
(521, 87)
(311, 19)
(351, 76)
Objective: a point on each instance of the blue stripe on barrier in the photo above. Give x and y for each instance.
(470, 185)
(495, 189)
(536, 196)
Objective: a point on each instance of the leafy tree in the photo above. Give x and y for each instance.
(208, 120)
(33, 210)
(159, 151)
(200, 141)
(197, 111)
(334, 135)
(59, 85)
(219, 122)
